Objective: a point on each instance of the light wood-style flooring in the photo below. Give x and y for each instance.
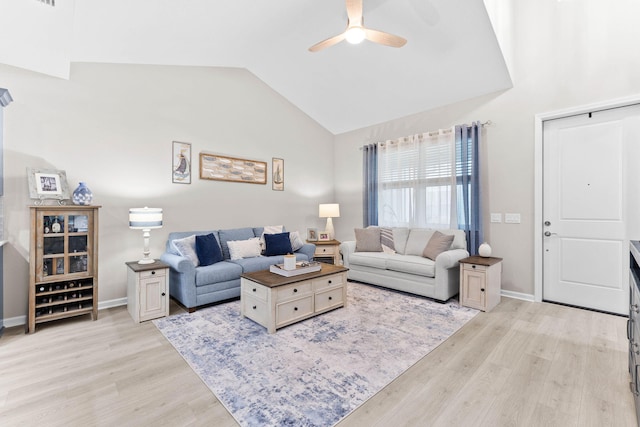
(522, 364)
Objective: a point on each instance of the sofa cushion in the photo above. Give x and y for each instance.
(186, 247)
(208, 250)
(239, 249)
(233, 234)
(400, 235)
(268, 229)
(277, 244)
(250, 265)
(218, 272)
(369, 259)
(368, 240)
(386, 240)
(296, 240)
(412, 264)
(438, 243)
(417, 240)
(459, 238)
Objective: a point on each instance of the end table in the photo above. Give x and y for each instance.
(327, 250)
(147, 290)
(480, 282)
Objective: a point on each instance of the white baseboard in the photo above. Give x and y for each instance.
(22, 320)
(517, 295)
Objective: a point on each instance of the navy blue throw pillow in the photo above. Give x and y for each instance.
(277, 244)
(208, 250)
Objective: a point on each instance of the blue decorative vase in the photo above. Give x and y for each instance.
(82, 195)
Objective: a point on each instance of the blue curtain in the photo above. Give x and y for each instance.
(370, 183)
(468, 141)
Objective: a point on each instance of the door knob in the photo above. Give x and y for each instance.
(547, 223)
(548, 233)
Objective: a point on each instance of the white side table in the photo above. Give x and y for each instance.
(480, 282)
(326, 250)
(147, 290)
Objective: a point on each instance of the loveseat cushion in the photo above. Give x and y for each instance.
(417, 240)
(412, 264)
(208, 250)
(233, 234)
(277, 244)
(250, 265)
(368, 239)
(369, 259)
(438, 243)
(218, 272)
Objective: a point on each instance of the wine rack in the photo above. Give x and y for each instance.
(63, 263)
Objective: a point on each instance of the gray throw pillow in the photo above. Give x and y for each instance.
(368, 240)
(438, 243)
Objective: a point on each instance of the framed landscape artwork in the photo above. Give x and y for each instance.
(181, 165)
(277, 170)
(223, 168)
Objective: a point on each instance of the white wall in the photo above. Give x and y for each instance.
(561, 54)
(112, 126)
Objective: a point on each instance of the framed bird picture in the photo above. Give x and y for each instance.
(181, 164)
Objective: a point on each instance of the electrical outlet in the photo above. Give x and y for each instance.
(496, 217)
(512, 218)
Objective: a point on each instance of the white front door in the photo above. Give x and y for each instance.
(590, 207)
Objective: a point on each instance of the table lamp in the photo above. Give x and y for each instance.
(145, 219)
(329, 210)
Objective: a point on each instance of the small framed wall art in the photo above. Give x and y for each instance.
(312, 234)
(277, 171)
(222, 168)
(48, 184)
(181, 167)
(324, 236)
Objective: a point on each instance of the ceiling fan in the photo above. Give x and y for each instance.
(356, 31)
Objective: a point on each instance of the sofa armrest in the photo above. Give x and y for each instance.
(450, 258)
(178, 263)
(347, 248)
(448, 273)
(308, 249)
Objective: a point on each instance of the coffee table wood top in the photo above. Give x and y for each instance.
(273, 280)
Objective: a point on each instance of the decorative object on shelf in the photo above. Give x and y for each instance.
(181, 168)
(277, 169)
(47, 184)
(324, 236)
(222, 168)
(484, 250)
(329, 211)
(145, 219)
(312, 234)
(82, 195)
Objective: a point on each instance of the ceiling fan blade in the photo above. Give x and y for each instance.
(354, 11)
(327, 43)
(384, 38)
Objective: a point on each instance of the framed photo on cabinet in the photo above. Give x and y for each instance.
(47, 184)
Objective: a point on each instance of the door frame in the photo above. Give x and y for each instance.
(538, 173)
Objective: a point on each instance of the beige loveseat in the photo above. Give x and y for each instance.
(400, 263)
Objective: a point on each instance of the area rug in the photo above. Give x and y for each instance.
(313, 373)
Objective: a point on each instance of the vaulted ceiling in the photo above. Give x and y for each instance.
(452, 53)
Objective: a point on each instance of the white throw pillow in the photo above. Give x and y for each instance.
(269, 229)
(186, 247)
(239, 249)
(296, 240)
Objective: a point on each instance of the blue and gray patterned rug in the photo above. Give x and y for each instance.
(313, 373)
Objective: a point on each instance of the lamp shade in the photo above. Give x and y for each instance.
(145, 218)
(329, 210)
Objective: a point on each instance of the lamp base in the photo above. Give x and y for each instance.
(329, 229)
(146, 261)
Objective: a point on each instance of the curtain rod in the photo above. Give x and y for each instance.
(483, 124)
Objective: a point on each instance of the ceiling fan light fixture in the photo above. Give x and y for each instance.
(355, 35)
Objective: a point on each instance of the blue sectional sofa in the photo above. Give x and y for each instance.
(197, 286)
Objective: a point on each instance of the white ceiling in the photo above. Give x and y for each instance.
(452, 53)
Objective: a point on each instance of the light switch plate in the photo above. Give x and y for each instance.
(496, 217)
(512, 218)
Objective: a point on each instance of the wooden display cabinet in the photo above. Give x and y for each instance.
(63, 263)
